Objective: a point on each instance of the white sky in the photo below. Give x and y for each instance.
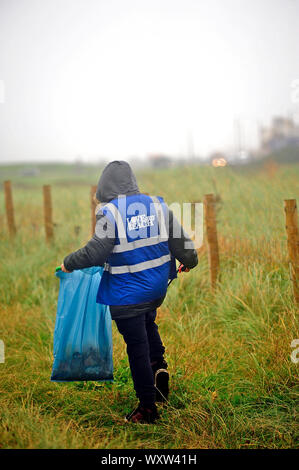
(119, 78)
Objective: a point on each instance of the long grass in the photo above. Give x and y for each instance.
(233, 384)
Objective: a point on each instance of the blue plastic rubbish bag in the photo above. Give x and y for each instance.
(83, 334)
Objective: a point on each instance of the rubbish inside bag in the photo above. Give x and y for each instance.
(82, 335)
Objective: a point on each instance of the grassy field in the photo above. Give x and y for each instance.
(233, 384)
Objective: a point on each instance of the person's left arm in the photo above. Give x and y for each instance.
(97, 249)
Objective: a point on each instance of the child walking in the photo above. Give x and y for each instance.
(137, 238)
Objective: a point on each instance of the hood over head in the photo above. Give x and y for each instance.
(117, 179)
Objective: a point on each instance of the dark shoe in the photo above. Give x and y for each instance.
(161, 379)
(143, 415)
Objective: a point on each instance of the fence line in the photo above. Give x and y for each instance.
(48, 213)
(9, 209)
(291, 215)
(228, 244)
(211, 230)
(93, 205)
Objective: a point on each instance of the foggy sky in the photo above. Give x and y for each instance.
(119, 78)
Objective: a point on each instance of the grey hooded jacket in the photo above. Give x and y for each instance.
(118, 179)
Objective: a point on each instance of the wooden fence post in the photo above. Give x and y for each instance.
(9, 209)
(93, 205)
(211, 230)
(48, 213)
(290, 208)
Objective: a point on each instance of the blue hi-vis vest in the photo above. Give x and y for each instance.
(138, 268)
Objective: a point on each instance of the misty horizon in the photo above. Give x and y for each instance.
(98, 80)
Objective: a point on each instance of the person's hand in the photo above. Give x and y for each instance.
(64, 269)
(183, 268)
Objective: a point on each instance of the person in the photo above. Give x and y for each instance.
(137, 239)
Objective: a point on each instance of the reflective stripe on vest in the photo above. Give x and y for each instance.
(135, 268)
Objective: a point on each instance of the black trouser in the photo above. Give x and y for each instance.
(144, 346)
